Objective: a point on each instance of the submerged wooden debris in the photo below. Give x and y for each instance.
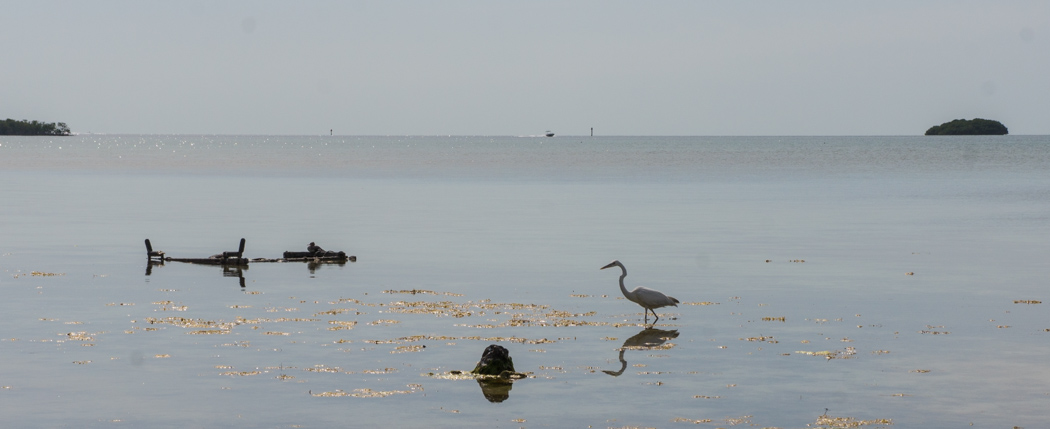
(236, 257)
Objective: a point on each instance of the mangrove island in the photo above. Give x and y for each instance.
(963, 127)
(11, 127)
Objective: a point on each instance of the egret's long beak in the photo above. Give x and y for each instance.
(607, 266)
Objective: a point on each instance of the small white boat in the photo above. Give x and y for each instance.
(549, 134)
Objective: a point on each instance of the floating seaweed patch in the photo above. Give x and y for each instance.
(412, 291)
(693, 421)
(162, 356)
(829, 422)
(380, 371)
(353, 301)
(520, 340)
(920, 371)
(847, 353)
(427, 337)
(209, 332)
(339, 325)
(285, 377)
(81, 362)
(183, 322)
(706, 397)
(421, 291)
(322, 368)
(335, 311)
(115, 304)
(931, 330)
(452, 375)
(44, 274)
(763, 339)
(384, 322)
(408, 349)
(240, 306)
(79, 336)
(774, 319)
(240, 373)
(440, 309)
(369, 393)
(701, 303)
(1027, 301)
(276, 333)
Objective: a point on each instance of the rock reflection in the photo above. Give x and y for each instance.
(646, 339)
(495, 390)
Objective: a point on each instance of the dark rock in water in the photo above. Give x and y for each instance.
(494, 361)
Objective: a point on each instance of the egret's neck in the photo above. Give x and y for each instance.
(623, 288)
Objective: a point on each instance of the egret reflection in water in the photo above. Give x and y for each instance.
(646, 339)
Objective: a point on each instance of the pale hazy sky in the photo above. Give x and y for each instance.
(691, 67)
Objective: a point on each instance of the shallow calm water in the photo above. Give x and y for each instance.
(874, 278)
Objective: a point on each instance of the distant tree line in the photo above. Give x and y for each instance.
(963, 127)
(11, 127)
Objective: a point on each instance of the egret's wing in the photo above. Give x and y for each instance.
(652, 298)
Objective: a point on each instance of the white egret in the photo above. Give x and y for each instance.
(643, 296)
